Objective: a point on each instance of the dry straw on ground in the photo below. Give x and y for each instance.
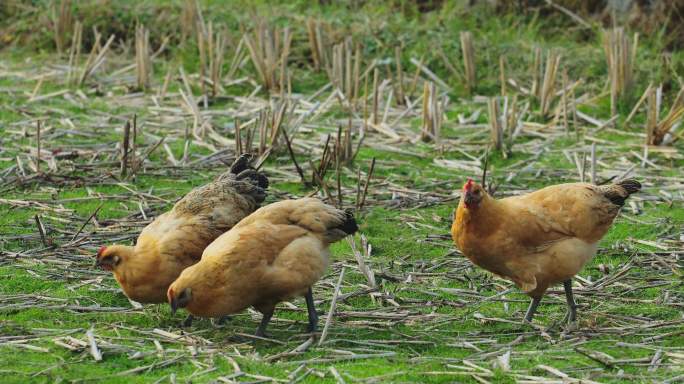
(339, 143)
(620, 59)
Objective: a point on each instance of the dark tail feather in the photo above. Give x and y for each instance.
(341, 229)
(254, 176)
(619, 192)
(242, 170)
(240, 164)
(630, 185)
(263, 180)
(349, 225)
(247, 180)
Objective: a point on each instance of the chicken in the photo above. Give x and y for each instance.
(538, 239)
(176, 239)
(274, 254)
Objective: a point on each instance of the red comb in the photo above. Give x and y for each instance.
(468, 185)
(101, 250)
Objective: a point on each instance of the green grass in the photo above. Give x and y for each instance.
(441, 319)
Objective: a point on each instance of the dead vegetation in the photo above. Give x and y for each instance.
(269, 49)
(468, 60)
(356, 141)
(658, 131)
(61, 20)
(620, 58)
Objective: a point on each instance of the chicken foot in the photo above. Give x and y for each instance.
(571, 315)
(311, 309)
(572, 306)
(532, 309)
(267, 314)
(187, 323)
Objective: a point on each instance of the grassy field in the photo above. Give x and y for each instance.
(431, 316)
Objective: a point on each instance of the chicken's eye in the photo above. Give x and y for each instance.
(113, 260)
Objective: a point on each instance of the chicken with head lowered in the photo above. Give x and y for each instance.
(176, 239)
(276, 253)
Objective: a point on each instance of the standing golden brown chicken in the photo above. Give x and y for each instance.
(276, 253)
(541, 238)
(176, 239)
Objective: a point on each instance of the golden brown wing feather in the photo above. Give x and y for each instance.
(253, 245)
(309, 213)
(578, 210)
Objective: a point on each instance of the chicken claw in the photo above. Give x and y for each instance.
(572, 307)
(532, 309)
(187, 323)
(221, 320)
(261, 331)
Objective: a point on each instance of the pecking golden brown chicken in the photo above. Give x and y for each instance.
(538, 239)
(276, 253)
(176, 239)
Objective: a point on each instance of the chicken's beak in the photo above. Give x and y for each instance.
(174, 305)
(468, 199)
(106, 264)
(103, 264)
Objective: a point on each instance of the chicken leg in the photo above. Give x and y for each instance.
(313, 316)
(267, 314)
(187, 323)
(532, 309)
(572, 307)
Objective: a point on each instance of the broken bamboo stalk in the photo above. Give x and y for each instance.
(124, 149)
(468, 60)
